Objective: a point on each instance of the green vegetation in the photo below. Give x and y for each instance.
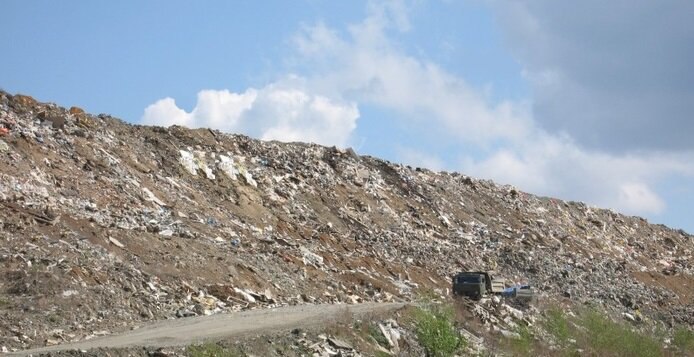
(589, 332)
(378, 336)
(607, 337)
(524, 344)
(557, 325)
(596, 334)
(426, 295)
(683, 340)
(436, 331)
(210, 349)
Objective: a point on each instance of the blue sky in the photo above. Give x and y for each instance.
(587, 101)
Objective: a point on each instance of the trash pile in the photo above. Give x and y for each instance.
(327, 346)
(106, 225)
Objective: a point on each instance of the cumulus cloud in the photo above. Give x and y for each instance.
(368, 68)
(510, 145)
(555, 166)
(639, 197)
(615, 75)
(280, 111)
(533, 145)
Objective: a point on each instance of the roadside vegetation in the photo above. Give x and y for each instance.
(592, 332)
(683, 340)
(584, 332)
(435, 329)
(210, 349)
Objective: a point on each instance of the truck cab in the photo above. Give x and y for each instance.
(471, 284)
(476, 284)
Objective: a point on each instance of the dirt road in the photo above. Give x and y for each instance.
(191, 330)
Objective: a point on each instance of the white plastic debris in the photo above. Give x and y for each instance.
(200, 161)
(247, 176)
(248, 297)
(147, 195)
(68, 293)
(226, 164)
(188, 161)
(311, 258)
(116, 242)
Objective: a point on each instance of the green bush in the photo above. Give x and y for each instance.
(377, 335)
(436, 331)
(210, 349)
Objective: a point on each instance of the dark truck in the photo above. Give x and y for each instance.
(476, 284)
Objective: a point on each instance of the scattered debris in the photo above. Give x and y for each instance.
(304, 224)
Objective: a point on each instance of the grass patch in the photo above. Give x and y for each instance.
(436, 331)
(606, 337)
(523, 345)
(5, 302)
(210, 349)
(562, 330)
(683, 339)
(557, 325)
(426, 295)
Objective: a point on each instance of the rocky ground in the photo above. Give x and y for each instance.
(106, 225)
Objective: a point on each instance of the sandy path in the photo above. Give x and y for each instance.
(185, 331)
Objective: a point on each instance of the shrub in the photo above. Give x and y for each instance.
(378, 336)
(436, 331)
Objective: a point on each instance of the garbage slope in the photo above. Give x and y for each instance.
(106, 225)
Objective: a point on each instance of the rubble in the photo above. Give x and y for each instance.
(146, 223)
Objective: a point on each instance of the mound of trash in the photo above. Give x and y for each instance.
(106, 225)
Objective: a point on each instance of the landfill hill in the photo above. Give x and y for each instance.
(106, 225)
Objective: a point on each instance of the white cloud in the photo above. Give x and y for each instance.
(557, 167)
(640, 198)
(216, 109)
(281, 111)
(364, 65)
(367, 66)
(165, 112)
